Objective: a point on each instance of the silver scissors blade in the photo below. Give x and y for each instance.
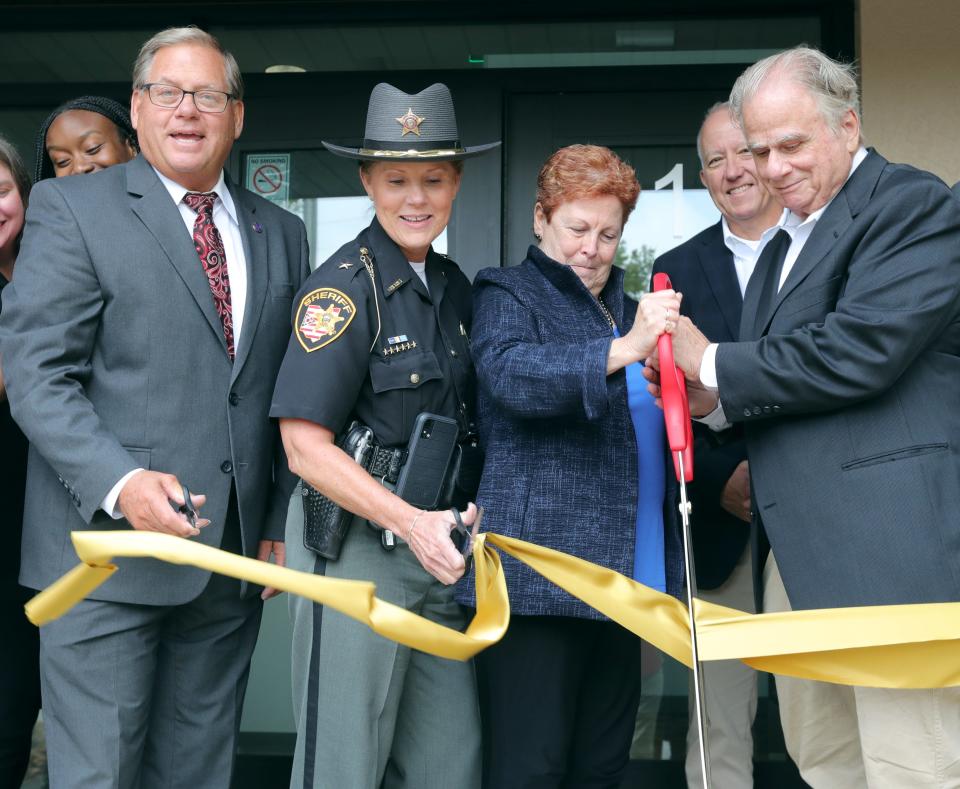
(691, 579)
(475, 530)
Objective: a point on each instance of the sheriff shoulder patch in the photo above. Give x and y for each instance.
(323, 315)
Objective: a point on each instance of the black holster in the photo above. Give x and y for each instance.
(325, 523)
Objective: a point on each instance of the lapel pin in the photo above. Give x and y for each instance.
(257, 227)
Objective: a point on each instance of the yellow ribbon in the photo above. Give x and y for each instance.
(356, 599)
(890, 646)
(901, 646)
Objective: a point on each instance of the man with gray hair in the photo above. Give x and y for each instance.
(140, 344)
(844, 378)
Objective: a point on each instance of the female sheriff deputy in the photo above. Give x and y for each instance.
(376, 393)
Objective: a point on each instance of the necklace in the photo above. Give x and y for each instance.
(606, 313)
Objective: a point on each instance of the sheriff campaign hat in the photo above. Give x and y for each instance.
(410, 128)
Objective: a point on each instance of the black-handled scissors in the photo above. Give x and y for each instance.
(186, 509)
(463, 538)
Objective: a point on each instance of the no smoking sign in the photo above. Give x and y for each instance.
(268, 175)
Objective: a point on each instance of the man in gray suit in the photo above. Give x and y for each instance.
(845, 378)
(140, 344)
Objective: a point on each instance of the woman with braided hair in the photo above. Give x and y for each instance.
(83, 135)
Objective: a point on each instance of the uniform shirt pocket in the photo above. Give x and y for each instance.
(403, 371)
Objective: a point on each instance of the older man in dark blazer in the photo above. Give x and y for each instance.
(845, 378)
(140, 344)
(712, 270)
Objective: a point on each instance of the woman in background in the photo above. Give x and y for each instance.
(19, 658)
(83, 135)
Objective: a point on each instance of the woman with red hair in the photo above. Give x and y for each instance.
(576, 461)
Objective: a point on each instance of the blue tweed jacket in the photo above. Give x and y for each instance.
(561, 454)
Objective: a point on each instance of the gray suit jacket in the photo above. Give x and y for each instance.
(115, 359)
(847, 385)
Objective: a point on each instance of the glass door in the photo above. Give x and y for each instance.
(324, 190)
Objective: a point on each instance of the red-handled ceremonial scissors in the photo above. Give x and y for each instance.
(676, 415)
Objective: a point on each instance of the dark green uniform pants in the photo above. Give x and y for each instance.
(371, 713)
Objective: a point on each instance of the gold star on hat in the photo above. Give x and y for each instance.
(409, 122)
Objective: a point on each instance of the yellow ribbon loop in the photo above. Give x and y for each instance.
(902, 646)
(356, 599)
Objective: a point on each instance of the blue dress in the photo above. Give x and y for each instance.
(648, 426)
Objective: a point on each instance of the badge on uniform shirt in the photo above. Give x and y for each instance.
(323, 315)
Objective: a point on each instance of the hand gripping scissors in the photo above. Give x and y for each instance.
(463, 538)
(676, 415)
(186, 509)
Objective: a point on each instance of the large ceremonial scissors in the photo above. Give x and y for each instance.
(676, 415)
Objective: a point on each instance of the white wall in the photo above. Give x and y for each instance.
(909, 54)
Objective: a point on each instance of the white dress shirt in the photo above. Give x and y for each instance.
(746, 251)
(225, 218)
(799, 231)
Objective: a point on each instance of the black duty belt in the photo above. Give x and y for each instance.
(385, 463)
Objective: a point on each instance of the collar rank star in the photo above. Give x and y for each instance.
(322, 316)
(410, 122)
(345, 265)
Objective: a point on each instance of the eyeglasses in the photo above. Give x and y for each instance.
(170, 96)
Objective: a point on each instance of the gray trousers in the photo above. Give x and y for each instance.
(136, 697)
(371, 713)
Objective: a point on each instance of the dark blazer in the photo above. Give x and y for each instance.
(702, 269)
(115, 359)
(561, 453)
(847, 385)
